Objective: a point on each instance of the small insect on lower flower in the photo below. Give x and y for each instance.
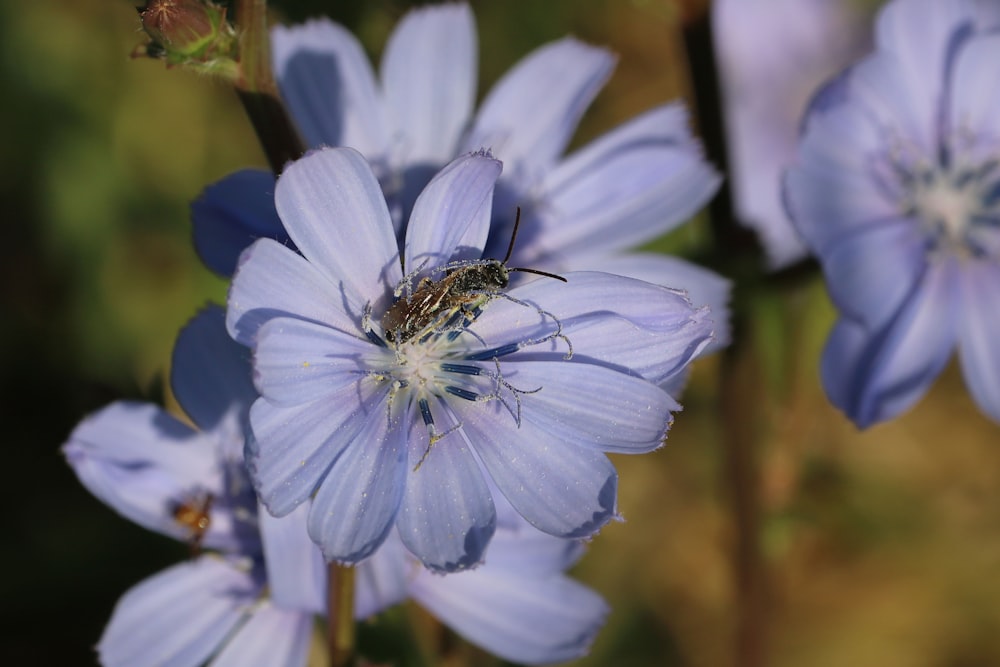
(193, 514)
(453, 301)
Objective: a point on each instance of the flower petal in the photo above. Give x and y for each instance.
(627, 324)
(873, 378)
(140, 461)
(451, 217)
(704, 287)
(429, 81)
(271, 636)
(178, 617)
(522, 618)
(631, 185)
(273, 281)
(297, 361)
(592, 406)
(233, 213)
(528, 135)
(869, 273)
(357, 502)
(329, 85)
(334, 210)
(446, 518)
(976, 92)
(978, 331)
(209, 372)
(560, 489)
(292, 448)
(296, 573)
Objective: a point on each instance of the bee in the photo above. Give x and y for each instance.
(193, 514)
(465, 288)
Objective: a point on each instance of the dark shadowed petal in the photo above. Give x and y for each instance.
(979, 331)
(871, 272)
(628, 324)
(561, 489)
(271, 636)
(296, 573)
(296, 361)
(140, 461)
(530, 114)
(273, 281)
(975, 94)
(451, 217)
(832, 190)
(292, 448)
(592, 406)
(874, 378)
(233, 213)
(920, 33)
(329, 85)
(381, 580)
(631, 185)
(517, 615)
(357, 501)
(209, 371)
(178, 617)
(429, 82)
(446, 518)
(704, 287)
(335, 212)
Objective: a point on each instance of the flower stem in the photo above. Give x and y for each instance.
(738, 255)
(259, 93)
(340, 615)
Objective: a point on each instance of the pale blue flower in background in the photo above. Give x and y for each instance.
(227, 607)
(527, 392)
(897, 191)
(772, 56)
(584, 211)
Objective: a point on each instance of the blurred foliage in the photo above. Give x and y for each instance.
(881, 548)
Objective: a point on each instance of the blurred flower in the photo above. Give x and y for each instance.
(580, 212)
(897, 190)
(773, 55)
(228, 607)
(382, 433)
(253, 601)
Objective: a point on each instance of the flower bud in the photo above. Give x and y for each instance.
(187, 30)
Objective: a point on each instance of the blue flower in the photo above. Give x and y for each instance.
(897, 190)
(526, 388)
(772, 56)
(580, 212)
(232, 606)
(254, 599)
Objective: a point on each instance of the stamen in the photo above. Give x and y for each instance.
(462, 393)
(463, 369)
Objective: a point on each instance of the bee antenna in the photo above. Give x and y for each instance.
(541, 273)
(510, 248)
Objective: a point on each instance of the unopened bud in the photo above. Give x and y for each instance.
(187, 30)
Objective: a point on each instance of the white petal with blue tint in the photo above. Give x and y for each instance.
(529, 136)
(976, 92)
(296, 572)
(329, 86)
(329, 202)
(451, 217)
(179, 617)
(357, 502)
(381, 581)
(978, 333)
(429, 82)
(271, 636)
(446, 518)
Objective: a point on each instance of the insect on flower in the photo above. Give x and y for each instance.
(439, 305)
(193, 514)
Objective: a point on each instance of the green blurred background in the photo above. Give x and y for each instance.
(880, 548)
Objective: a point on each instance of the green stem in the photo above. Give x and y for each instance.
(258, 91)
(340, 615)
